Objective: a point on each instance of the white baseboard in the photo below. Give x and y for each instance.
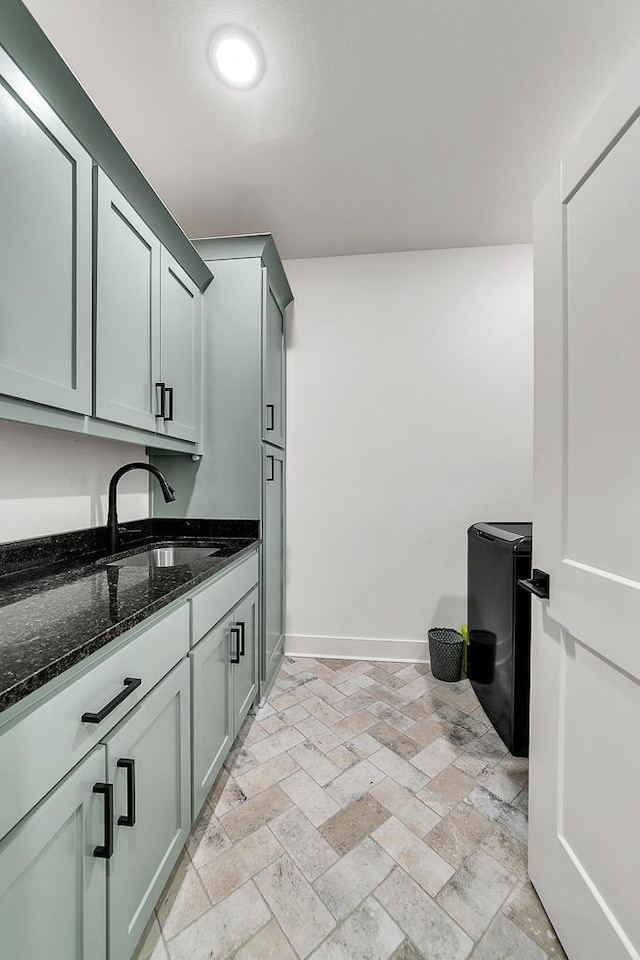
(357, 648)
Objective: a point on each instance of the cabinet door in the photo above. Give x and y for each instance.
(273, 560)
(245, 674)
(53, 891)
(148, 763)
(127, 312)
(273, 403)
(180, 350)
(45, 251)
(211, 709)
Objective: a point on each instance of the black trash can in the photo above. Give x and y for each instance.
(445, 653)
(499, 618)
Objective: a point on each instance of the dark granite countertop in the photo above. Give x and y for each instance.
(58, 605)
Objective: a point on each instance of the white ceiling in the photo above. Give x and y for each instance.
(380, 125)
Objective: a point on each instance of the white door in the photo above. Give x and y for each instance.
(585, 707)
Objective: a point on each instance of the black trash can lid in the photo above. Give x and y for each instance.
(445, 635)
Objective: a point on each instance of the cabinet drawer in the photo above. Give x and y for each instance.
(42, 746)
(211, 605)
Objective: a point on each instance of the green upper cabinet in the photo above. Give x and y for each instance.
(273, 400)
(87, 295)
(127, 361)
(45, 251)
(148, 326)
(180, 350)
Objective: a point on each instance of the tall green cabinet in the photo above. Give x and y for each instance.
(242, 472)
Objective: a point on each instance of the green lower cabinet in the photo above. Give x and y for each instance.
(224, 685)
(148, 762)
(53, 890)
(273, 573)
(212, 731)
(245, 673)
(81, 874)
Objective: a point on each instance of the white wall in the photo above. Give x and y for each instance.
(410, 380)
(51, 481)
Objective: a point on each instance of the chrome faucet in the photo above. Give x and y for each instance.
(112, 520)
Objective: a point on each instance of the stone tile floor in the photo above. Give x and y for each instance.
(368, 812)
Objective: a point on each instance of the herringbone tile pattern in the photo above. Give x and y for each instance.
(368, 812)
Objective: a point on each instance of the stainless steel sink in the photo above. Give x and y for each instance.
(166, 555)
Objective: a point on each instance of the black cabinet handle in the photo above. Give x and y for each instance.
(105, 852)
(235, 657)
(168, 391)
(129, 819)
(271, 413)
(271, 460)
(538, 585)
(241, 627)
(130, 684)
(160, 398)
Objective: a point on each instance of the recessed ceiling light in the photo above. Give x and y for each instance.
(236, 57)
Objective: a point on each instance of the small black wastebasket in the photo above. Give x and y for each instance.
(445, 652)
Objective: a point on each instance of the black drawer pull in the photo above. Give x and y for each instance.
(105, 852)
(241, 626)
(160, 399)
(538, 585)
(129, 819)
(235, 656)
(272, 463)
(169, 393)
(271, 410)
(130, 684)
